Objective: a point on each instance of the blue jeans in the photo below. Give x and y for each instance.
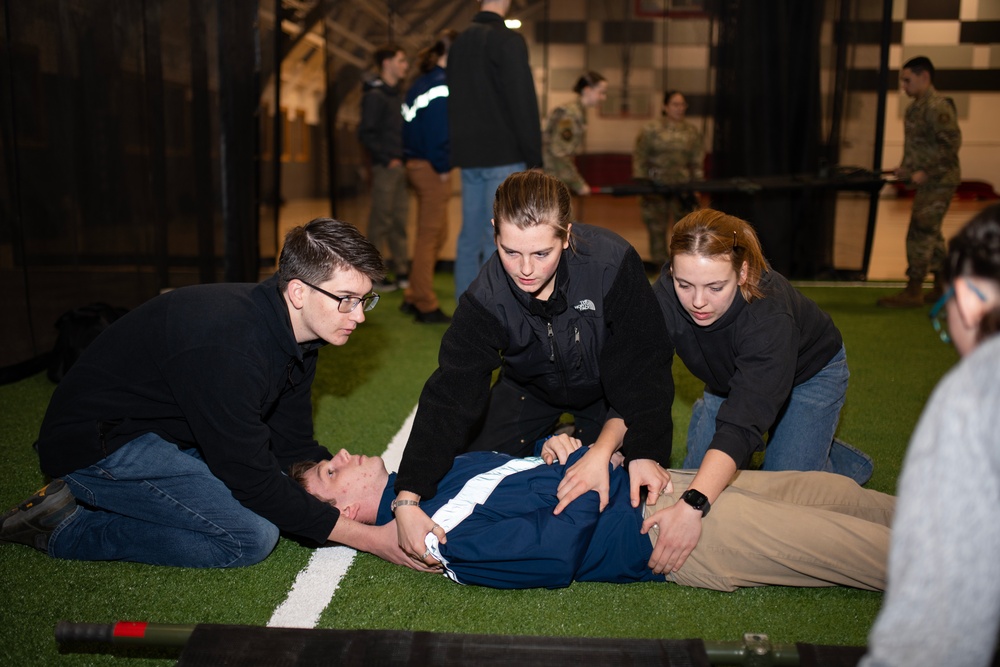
(475, 240)
(802, 437)
(152, 502)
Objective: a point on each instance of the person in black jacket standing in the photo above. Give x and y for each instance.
(381, 133)
(167, 441)
(495, 126)
(565, 311)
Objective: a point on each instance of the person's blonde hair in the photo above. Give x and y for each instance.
(714, 234)
(531, 198)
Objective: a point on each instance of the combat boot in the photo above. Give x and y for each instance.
(911, 297)
(940, 285)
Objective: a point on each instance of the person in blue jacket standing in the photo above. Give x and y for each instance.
(427, 150)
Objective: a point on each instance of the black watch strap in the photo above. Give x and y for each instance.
(697, 500)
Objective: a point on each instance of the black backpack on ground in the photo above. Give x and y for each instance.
(77, 329)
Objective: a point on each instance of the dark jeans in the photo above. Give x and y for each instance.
(152, 502)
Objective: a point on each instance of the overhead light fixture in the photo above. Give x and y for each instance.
(513, 24)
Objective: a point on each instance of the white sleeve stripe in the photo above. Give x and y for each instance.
(475, 492)
(423, 100)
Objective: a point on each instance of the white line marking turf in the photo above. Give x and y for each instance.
(315, 586)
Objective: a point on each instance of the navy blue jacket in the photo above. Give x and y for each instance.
(497, 512)
(425, 121)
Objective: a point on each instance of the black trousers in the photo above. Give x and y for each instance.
(516, 419)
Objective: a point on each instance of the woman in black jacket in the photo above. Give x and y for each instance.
(772, 363)
(567, 315)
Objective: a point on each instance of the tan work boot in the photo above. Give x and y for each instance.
(911, 297)
(940, 285)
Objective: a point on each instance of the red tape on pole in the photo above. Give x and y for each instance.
(130, 629)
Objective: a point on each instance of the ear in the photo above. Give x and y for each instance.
(569, 230)
(744, 272)
(294, 293)
(971, 306)
(350, 511)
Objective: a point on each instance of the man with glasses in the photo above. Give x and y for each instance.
(167, 441)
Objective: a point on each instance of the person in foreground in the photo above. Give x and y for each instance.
(942, 605)
(773, 363)
(566, 312)
(788, 529)
(168, 439)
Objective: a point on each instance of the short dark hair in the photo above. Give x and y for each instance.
(666, 98)
(298, 471)
(588, 80)
(919, 65)
(315, 250)
(384, 52)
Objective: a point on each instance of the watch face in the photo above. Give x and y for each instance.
(695, 499)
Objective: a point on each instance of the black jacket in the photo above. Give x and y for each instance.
(492, 104)
(753, 355)
(381, 128)
(606, 342)
(211, 366)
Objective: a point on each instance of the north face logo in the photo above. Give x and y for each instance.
(585, 304)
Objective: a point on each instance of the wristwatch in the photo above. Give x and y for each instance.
(697, 500)
(396, 503)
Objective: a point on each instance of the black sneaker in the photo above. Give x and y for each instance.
(408, 308)
(433, 317)
(33, 521)
(403, 280)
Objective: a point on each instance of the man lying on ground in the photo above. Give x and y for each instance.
(767, 528)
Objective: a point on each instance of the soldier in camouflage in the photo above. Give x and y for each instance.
(668, 150)
(566, 130)
(930, 164)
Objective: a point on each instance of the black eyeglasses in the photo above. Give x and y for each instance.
(346, 304)
(939, 316)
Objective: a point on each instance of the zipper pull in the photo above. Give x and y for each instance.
(552, 344)
(576, 339)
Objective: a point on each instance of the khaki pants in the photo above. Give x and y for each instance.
(432, 232)
(787, 529)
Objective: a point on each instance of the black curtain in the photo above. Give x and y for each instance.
(128, 133)
(768, 124)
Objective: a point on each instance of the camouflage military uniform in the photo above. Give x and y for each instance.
(563, 138)
(667, 152)
(931, 143)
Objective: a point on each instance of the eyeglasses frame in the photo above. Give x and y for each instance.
(369, 299)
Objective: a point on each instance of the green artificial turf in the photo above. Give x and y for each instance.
(363, 393)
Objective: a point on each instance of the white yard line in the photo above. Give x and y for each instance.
(315, 585)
